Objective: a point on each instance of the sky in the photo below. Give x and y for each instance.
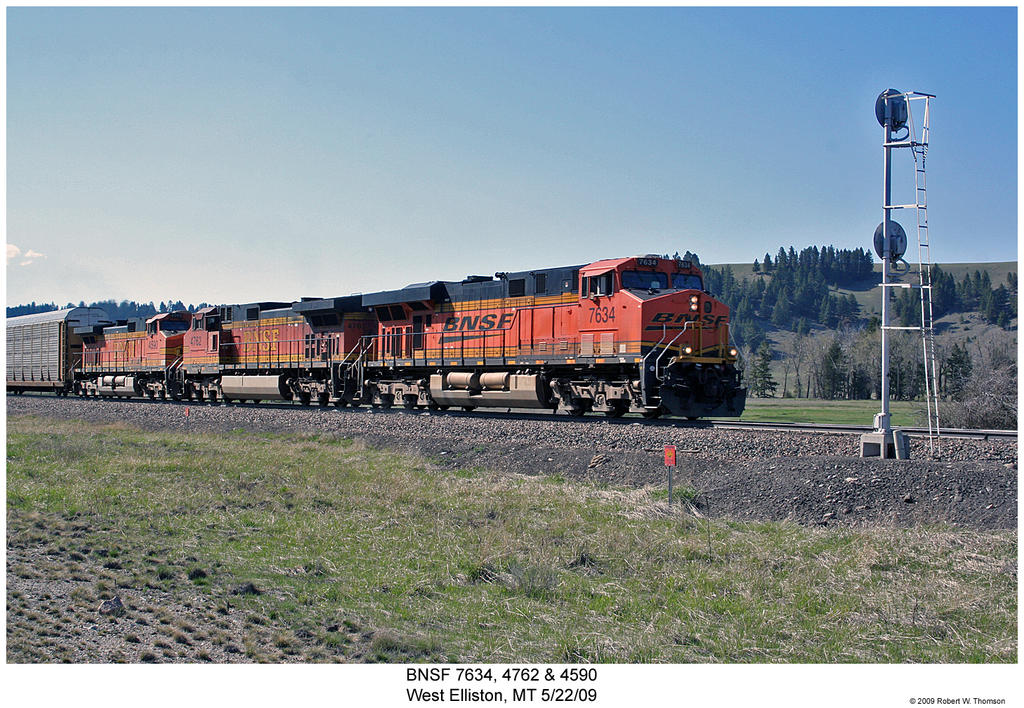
(239, 154)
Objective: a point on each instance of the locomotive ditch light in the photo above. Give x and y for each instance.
(733, 352)
(687, 350)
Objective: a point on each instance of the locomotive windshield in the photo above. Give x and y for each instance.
(686, 281)
(173, 326)
(647, 280)
(642, 280)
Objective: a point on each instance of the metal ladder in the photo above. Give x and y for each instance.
(919, 149)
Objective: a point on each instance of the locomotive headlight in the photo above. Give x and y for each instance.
(693, 307)
(693, 303)
(687, 350)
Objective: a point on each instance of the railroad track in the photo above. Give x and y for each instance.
(530, 414)
(846, 428)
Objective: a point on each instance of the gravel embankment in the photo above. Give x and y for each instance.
(803, 477)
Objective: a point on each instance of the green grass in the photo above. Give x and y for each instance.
(810, 410)
(344, 542)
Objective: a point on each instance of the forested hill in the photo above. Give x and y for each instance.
(123, 310)
(834, 288)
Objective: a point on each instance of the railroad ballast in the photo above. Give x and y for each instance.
(635, 334)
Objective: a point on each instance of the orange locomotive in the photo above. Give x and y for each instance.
(130, 358)
(273, 350)
(631, 334)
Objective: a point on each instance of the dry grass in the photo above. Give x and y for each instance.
(370, 556)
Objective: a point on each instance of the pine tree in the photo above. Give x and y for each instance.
(958, 370)
(833, 372)
(782, 316)
(827, 313)
(761, 382)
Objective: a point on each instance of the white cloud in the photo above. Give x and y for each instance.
(30, 255)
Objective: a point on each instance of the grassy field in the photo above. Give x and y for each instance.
(811, 410)
(431, 565)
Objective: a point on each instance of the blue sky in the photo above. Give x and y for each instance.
(245, 154)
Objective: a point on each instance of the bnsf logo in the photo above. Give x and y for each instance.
(464, 324)
(674, 318)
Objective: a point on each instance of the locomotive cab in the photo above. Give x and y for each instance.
(164, 335)
(658, 310)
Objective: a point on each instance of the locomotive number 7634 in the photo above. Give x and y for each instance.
(602, 314)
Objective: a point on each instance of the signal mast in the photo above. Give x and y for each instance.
(894, 114)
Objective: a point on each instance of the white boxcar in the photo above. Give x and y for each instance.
(43, 348)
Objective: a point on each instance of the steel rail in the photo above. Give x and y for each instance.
(530, 414)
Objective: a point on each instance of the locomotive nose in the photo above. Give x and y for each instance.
(672, 309)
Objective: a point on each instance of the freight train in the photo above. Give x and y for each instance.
(638, 334)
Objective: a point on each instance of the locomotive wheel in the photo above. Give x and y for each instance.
(651, 413)
(469, 408)
(577, 407)
(618, 409)
(409, 403)
(304, 398)
(340, 403)
(322, 400)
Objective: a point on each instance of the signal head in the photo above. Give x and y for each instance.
(897, 241)
(897, 109)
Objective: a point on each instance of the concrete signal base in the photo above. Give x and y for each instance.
(887, 445)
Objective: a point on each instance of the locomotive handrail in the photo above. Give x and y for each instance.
(667, 346)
